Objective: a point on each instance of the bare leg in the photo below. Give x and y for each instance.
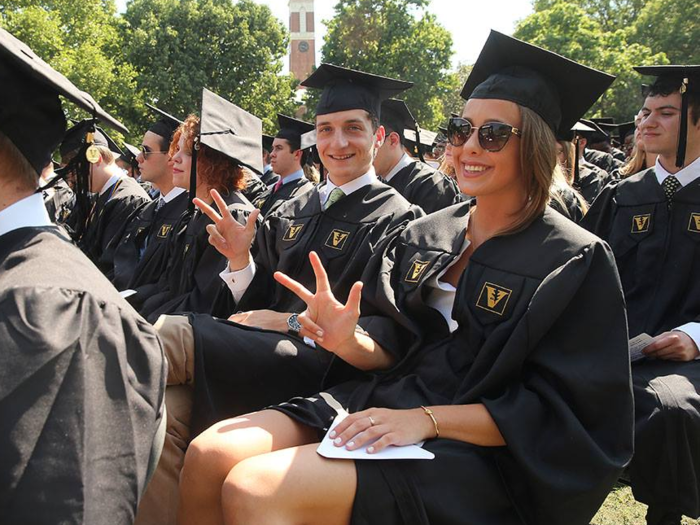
(211, 456)
(289, 487)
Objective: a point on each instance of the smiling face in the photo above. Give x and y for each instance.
(346, 144)
(481, 173)
(660, 124)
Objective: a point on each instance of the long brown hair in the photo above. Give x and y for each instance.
(636, 163)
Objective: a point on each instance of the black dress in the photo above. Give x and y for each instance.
(82, 379)
(240, 369)
(657, 251)
(426, 187)
(542, 343)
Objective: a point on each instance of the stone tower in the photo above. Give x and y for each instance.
(302, 57)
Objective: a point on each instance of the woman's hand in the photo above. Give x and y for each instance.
(326, 321)
(386, 426)
(230, 238)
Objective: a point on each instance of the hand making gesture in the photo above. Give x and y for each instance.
(227, 235)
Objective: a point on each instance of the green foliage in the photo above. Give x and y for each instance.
(610, 14)
(567, 29)
(177, 47)
(394, 38)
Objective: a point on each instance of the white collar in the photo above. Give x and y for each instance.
(28, 212)
(404, 161)
(175, 192)
(684, 176)
(349, 187)
(291, 178)
(111, 182)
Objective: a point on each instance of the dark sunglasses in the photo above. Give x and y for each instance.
(147, 152)
(493, 136)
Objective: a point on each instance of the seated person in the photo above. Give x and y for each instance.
(520, 380)
(652, 222)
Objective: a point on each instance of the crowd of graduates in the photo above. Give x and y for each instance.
(183, 321)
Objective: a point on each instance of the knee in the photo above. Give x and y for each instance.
(247, 494)
(204, 461)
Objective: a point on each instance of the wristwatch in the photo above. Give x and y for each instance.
(293, 324)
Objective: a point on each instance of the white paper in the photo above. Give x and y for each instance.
(637, 344)
(328, 450)
(127, 293)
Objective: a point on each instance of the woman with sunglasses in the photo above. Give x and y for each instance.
(518, 376)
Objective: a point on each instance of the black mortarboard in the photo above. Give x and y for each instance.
(30, 110)
(267, 141)
(624, 129)
(74, 137)
(597, 135)
(685, 80)
(129, 154)
(558, 89)
(345, 89)
(166, 124)
(603, 120)
(230, 130)
(292, 129)
(397, 117)
(308, 139)
(421, 143)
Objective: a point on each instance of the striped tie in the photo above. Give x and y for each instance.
(335, 196)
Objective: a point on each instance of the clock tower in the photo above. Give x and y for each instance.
(302, 57)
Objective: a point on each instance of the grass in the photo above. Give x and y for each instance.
(620, 508)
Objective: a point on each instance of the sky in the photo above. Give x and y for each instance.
(469, 21)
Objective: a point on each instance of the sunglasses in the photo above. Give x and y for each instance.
(493, 136)
(147, 152)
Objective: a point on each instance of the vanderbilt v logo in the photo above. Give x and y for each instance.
(694, 225)
(640, 223)
(292, 232)
(494, 298)
(164, 230)
(337, 239)
(416, 270)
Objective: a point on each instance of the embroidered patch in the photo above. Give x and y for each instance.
(337, 239)
(292, 232)
(164, 230)
(416, 271)
(694, 224)
(494, 298)
(260, 203)
(641, 223)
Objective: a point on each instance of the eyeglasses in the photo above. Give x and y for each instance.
(493, 136)
(147, 152)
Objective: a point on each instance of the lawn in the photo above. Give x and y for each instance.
(620, 508)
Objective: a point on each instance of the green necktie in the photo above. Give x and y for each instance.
(335, 196)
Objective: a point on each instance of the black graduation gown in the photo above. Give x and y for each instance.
(240, 369)
(286, 192)
(603, 160)
(589, 183)
(569, 206)
(109, 213)
(542, 343)
(150, 229)
(191, 282)
(426, 187)
(658, 256)
(255, 190)
(269, 178)
(82, 379)
(59, 201)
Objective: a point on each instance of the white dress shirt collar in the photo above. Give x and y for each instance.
(685, 176)
(172, 194)
(28, 212)
(349, 187)
(404, 161)
(297, 175)
(111, 182)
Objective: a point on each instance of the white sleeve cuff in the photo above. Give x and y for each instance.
(239, 280)
(693, 331)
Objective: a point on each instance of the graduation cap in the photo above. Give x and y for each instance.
(397, 117)
(267, 141)
(573, 136)
(596, 135)
(685, 80)
(166, 124)
(230, 130)
(308, 142)
(624, 129)
(345, 89)
(130, 154)
(603, 120)
(558, 89)
(30, 112)
(292, 129)
(421, 142)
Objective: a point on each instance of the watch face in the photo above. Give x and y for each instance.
(303, 46)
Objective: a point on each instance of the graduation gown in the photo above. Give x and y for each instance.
(569, 205)
(657, 251)
(191, 281)
(603, 160)
(241, 369)
(269, 178)
(109, 213)
(255, 190)
(589, 183)
(426, 187)
(542, 343)
(82, 379)
(59, 201)
(286, 192)
(141, 253)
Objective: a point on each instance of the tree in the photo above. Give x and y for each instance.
(82, 41)
(394, 38)
(236, 50)
(610, 14)
(567, 29)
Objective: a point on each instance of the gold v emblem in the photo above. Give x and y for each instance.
(640, 223)
(416, 270)
(292, 232)
(494, 298)
(694, 225)
(164, 230)
(337, 239)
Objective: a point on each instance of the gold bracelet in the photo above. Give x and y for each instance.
(430, 414)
